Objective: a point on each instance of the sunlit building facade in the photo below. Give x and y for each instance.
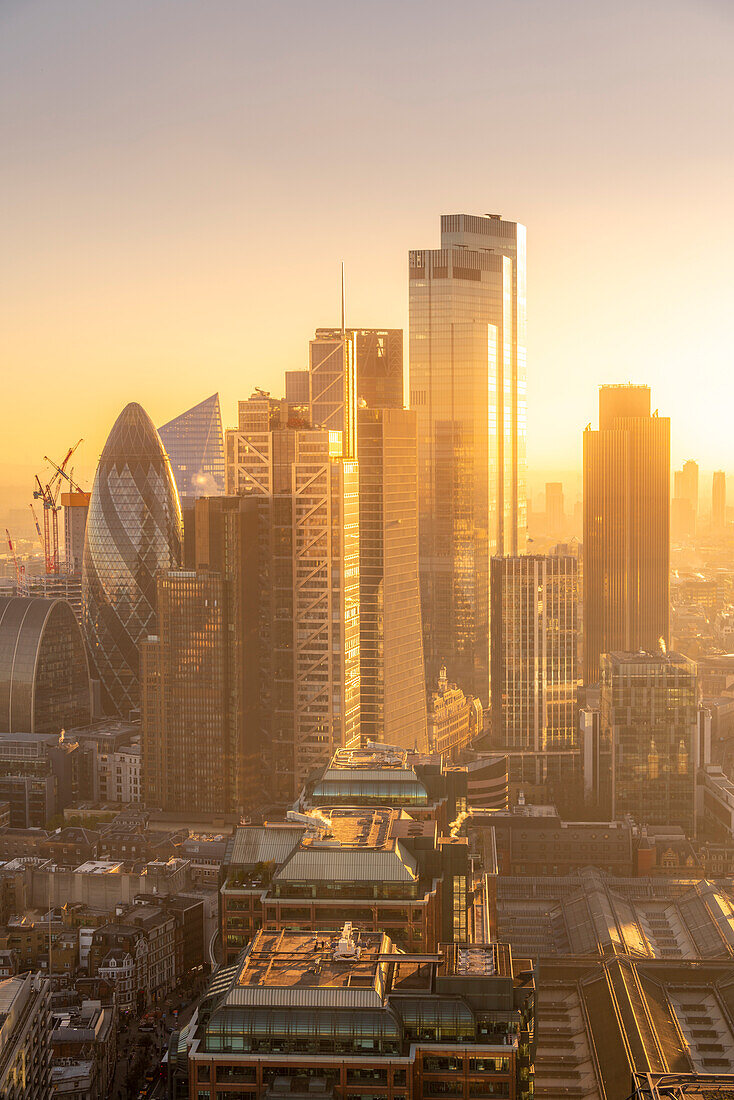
(310, 627)
(535, 666)
(44, 675)
(393, 693)
(468, 388)
(649, 717)
(195, 445)
(134, 529)
(333, 385)
(626, 527)
(379, 360)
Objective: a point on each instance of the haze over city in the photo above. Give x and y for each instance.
(367, 580)
(182, 180)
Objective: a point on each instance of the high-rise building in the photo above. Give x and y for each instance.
(649, 715)
(535, 667)
(684, 507)
(44, 675)
(76, 509)
(333, 385)
(718, 501)
(195, 446)
(379, 356)
(200, 673)
(467, 385)
(393, 693)
(554, 512)
(133, 530)
(297, 387)
(25, 1038)
(310, 554)
(626, 527)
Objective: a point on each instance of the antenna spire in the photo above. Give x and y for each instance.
(343, 307)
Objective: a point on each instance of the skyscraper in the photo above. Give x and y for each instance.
(718, 501)
(554, 513)
(76, 509)
(200, 675)
(310, 513)
(535, 667)
(379, 360)
(195, 446)
(333, 385)
(649, 716)
(393, 693)
(626, 527)
(467, 385)
(133, 531)
(684, 509)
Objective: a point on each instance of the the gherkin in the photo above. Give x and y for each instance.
(134, 529)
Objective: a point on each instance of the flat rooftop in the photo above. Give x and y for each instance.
(287, 959)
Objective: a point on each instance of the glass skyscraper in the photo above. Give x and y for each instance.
(626, 527)
(467, 385)
(134, 529)
(195, 445)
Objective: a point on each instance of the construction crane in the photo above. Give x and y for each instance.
(60, 471)
(49, 495)
(19, 567)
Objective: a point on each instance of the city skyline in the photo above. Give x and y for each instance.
(600, 204)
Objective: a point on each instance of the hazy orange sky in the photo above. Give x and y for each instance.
(180, 180)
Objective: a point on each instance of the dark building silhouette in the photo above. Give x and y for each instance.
(44, 675)
(200, 672)
(134, 530)
(379, 355)
(392, 680)
(626, 527)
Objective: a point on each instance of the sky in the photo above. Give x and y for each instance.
(181, 179)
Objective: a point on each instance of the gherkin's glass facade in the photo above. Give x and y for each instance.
(195, 445)
(134, 530)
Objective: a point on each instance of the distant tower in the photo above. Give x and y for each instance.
(718, 501)
(626, 527)
(134, 529)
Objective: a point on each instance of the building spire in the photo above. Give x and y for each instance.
(343, 307)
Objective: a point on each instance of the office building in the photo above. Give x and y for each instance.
(649, 716)
(718, 501)
(200, 675)
(379, 355)
(39, 776)
(392, 678)
(195, 446)
(626, 527)
(25, 1026)
(333, 386)
(134, 529)
(44, 674)
(454, 720)
(468, 387)
(685, 484)
(554, 507)
(535, 668)
(76, 508)
(309, 497)
(345, 1014)
(420, 886)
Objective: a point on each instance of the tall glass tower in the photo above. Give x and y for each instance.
(467, 385)
(134, 530)
(195, 445)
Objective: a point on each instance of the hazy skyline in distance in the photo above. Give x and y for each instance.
(182, 178)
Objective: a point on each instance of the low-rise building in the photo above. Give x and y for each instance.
(87, 1030)
(455, 720)
(381, 869)
(343, 1013)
